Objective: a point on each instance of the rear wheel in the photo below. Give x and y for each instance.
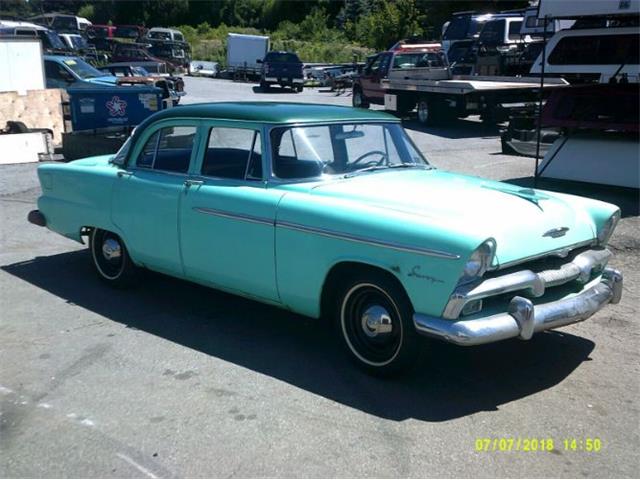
(375, 324)
(358, 100)
(299, 88)
(111, 259)
(425, 111)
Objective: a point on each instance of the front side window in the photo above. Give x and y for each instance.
(168, 149)
(344, 149)
(233, 153)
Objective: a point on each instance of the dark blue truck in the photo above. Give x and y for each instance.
(281, 68)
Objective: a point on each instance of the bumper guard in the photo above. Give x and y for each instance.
(523, 318)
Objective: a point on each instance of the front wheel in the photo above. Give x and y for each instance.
(375, 323)
(358, 100)
(111, 259)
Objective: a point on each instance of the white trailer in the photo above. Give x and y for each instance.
(21, 64)
(244, 51)
(590, 8)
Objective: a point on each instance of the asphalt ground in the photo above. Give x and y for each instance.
(171, 379)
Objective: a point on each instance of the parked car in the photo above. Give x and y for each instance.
(172, 87)
(61, 22)
(51, 41)
(135, 52)
(65, 71)
(281, 68)
(332, 212)
(79, 45)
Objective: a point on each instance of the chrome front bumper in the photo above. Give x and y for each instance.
(523, 318)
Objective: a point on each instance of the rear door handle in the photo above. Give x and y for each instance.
(191, 183)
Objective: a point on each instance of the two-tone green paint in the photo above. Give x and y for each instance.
(277, 242)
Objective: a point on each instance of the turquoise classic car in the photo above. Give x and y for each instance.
(333, 213)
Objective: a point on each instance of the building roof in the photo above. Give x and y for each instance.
(273, 112)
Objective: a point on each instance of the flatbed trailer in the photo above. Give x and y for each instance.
(491, 97)
(438, 95)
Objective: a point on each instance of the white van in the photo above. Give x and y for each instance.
(592, 55)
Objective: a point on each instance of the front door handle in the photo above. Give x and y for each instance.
(124, 173)
(190, 183)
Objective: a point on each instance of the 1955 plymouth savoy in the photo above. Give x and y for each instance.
(332, 212)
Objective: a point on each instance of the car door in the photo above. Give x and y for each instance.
(228, 214)
(374, 73)
(146, 196)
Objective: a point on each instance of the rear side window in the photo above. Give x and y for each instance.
(233, 153)
(169, 150)
(596, 50)
(514, 30)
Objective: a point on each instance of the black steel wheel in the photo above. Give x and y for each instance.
(111, 259)
(375, 322)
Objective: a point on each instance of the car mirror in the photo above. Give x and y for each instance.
(258, 60)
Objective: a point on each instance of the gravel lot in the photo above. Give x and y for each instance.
(175, 380)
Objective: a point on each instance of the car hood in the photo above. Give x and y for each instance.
(105, 80)
(524, 222)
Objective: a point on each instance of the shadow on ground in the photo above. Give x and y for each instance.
(449, 382)
(273, 90)
(628, 199)
(454, 129)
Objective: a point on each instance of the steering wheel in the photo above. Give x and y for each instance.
(383, 157)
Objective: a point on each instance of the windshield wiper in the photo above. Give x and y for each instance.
(385, 167)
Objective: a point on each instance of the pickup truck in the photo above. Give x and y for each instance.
(419, 76)
(281, 68)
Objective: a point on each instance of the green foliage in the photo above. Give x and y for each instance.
(87, 11)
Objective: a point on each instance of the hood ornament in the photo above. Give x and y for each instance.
(556, 232)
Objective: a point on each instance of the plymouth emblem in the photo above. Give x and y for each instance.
(117, 107)
(556, 232)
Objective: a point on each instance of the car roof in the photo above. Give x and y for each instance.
(61, 58)
(274, 112)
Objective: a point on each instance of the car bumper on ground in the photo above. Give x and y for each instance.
(523, 318)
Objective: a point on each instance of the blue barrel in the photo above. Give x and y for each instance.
(102, 107)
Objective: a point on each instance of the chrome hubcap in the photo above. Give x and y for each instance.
(111, 249)
(376, 320)
(423, 111)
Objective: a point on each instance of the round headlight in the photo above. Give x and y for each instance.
(607, 229)
(479, 261)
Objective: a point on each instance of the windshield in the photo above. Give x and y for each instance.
(51, 39)
(126, 32)
(160, 35)
(418, 59)
(82, 69)
(79, 42)
(282, 58)
(344, 149)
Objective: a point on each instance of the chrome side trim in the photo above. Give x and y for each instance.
(367, 240)
(234, 216)
(533, 284)
(523, 318)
